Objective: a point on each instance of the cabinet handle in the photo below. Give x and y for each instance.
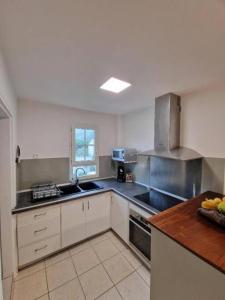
(88, 205)
(40, 230)
(39, 215)
(83, 206)
(39, 249)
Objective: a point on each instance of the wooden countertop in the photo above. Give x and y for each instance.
(184, 225)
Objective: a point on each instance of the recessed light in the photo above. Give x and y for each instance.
(115, 85)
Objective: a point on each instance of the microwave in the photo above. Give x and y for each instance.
(125, 155)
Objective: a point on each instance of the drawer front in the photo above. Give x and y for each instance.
(37, 250)
(33, 233)
(37, 215)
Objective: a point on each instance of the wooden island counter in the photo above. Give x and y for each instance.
(187, 254)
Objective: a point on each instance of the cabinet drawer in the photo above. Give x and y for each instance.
(37, 250)
(37, 215)
(29, 234)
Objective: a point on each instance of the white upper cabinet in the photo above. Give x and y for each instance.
(120, 216)
(73, 222)
(97, 213)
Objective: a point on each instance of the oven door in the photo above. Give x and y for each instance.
(140, 236)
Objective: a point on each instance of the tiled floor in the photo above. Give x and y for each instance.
(102, 268)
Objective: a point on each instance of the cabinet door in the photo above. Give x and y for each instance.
(97, 213)
(120, 216)
(73, 222)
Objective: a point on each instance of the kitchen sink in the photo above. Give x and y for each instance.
(89, 186)
(69, 189)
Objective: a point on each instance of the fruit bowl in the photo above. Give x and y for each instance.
(214, 210)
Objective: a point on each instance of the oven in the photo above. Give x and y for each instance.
(140, 232)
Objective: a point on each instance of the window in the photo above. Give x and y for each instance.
(84, 152)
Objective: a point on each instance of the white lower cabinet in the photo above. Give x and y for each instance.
(37, 250)
(97, 213)
(120, 216)
(84, 217)
(44, 231)
(72, 222)
(38, 233)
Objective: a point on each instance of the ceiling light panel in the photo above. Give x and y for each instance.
(115, 85)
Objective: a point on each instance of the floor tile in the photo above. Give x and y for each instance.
(85, 260)
(60, 273)
(144, 273)
(7, 287)
(45, 297)
(118, 243)
(30, 270)
(105, 249)
(133, 288)
(118, 268)
(112, 294)
(31, 287)
(132, 258)
(95, 282)
(80, 247)
(56, 258)
(100, 238)
(69, 291)
(110, 234)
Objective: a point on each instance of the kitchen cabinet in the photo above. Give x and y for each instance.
(73, 222)
(41, 232)
(97, 213)
(84, 218)
(38, 233)
(120, 216)
(35, 251)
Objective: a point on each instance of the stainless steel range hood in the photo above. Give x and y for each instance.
(167, 130)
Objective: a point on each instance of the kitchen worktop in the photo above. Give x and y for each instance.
(127, 190)
(184, 225)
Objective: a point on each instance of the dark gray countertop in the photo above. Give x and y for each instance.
(127, 190)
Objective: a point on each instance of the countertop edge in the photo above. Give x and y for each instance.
(15, 211)
(182, 244)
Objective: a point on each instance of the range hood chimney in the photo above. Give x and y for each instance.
(167, 130)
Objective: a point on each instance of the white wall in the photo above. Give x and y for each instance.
(44, 129)
(5, 197)
(203, 121)
(8, 194)
(202, 124)
(6, 92)
(138, 129)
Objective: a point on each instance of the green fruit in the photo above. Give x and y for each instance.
(221, 207)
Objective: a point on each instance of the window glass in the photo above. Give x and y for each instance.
(84, 152)
(80, 153)
(89, 170)
(90, 137)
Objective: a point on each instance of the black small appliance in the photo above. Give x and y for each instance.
(121, 176)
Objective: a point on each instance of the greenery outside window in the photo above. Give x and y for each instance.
(84, 152)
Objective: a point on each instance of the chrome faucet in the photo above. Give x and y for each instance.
(76, 181)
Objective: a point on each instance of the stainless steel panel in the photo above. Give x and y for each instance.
(182, 178)
(167, 122)
(181, 153)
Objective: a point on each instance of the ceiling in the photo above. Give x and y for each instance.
(62, 51)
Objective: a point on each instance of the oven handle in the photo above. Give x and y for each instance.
(148, 233)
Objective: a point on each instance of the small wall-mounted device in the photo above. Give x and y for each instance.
(17, 154)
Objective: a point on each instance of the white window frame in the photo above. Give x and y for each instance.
(74, 163)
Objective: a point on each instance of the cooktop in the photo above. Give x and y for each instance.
(158, 200)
